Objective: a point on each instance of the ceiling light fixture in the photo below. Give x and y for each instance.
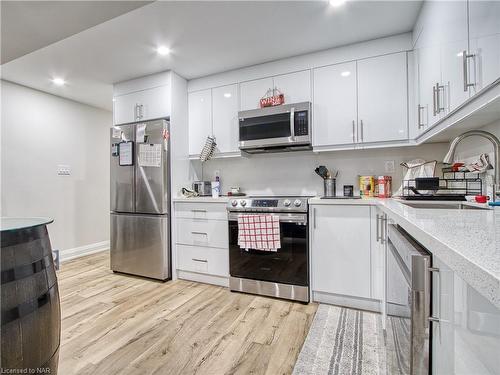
(345, 74)
(227, 95)
(162, 50)
(59, 81)
(337, 3)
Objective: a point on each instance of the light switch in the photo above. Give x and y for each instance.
(63, 170)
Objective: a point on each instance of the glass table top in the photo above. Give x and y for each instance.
(14, 223)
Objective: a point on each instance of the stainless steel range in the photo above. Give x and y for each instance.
(283, 273)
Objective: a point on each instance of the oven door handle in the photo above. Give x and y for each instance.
(284, 218)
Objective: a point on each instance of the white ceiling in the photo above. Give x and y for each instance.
(30, 25)
(205, 38)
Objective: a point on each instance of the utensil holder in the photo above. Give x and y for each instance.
(330, 187)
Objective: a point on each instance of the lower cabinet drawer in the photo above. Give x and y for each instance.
(210, 233)
(203, 259)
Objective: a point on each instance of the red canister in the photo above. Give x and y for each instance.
(384, 186)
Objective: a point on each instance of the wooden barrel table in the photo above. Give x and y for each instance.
(31, 317)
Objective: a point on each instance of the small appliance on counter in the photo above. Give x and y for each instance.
(203, 188)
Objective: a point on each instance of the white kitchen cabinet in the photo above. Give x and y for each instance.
(225, 118)
(142, 105)
(340, 250)
(201, 242)
(199, 119)
(252, 91)
(431, 105)
(334, 105)
(296, 86)
(378, 254)
(209, 233)
(443, 341)
(125, 109)
(383, 98)
(466, 339)
(484, 39)
(453, 35)
(204, 260)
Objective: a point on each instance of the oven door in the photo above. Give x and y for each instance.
(288, 265)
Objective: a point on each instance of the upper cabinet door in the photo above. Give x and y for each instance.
(252, 91)
(383, 98)
(453, 42)
(199, 119)
(125, 109)
(295, 86)
(155, 103)
(335, 108)
(484, 35)
(225, 117)
(142, 105)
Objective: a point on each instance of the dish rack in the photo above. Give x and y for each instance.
(452, 183)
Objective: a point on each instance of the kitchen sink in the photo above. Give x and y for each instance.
(445, 206)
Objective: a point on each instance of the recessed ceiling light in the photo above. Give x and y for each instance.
(336, 3)
(345, 74)
(162, 50)
(227, 95)
(59, 81)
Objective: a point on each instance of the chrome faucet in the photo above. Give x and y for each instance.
(496, 154)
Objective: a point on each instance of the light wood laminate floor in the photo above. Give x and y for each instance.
(116, 324)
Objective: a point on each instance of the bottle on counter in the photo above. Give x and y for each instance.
(216, 186)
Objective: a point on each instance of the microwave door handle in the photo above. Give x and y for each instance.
(292, 123)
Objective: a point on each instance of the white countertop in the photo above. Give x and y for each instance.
(468, 241)
(207, 199)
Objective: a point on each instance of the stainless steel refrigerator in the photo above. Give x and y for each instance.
(140, 199)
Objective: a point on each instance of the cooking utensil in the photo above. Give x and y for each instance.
(322, 171)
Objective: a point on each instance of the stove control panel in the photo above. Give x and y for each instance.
(264, 203)
(269, 204)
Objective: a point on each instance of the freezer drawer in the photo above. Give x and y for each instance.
(140, 245)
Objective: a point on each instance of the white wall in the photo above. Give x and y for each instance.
(39, 132)
(293, 173)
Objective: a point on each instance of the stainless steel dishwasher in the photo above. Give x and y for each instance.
(408, 304)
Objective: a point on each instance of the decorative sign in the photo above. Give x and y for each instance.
(272, 98)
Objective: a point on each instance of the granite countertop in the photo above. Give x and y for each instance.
(468, 241)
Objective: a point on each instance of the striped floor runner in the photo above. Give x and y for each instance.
(343, 341)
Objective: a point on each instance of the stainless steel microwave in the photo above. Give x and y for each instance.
(272, 129)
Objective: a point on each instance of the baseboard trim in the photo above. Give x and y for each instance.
(347, 301)
(77, 252)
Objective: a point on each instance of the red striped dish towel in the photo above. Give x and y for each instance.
(259, 232)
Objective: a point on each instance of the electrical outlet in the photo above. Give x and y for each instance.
(389, 166)
(63, 170)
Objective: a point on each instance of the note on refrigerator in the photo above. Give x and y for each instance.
(126, 153)
(140, 133)
(150, 155)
